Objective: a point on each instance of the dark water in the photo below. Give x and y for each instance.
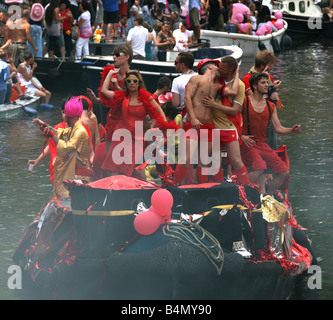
(306, 73)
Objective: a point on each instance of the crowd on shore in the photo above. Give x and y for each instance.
(197, 107)
(64, 27)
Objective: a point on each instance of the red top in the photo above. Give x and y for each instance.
(66, 25)
(258, 121)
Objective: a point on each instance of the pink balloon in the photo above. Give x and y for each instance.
(147, 222)
(278, 24)
(244, 27)
(239, 17)
(278, 15)
(268, 27)
(261, 31)
(162, 201)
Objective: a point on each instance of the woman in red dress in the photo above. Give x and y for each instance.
(127, 145)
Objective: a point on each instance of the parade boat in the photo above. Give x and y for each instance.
(125, 238)
(250, 44)
(151, 71)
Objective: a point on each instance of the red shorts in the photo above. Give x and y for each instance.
(227, 136)
(262, 157)
(205, 135)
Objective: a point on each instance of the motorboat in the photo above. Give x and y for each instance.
(153, 70)
(303, 16)
(250, 44)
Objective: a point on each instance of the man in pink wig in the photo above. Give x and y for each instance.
(73, 148)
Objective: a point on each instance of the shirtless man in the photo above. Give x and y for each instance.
(18, 31)
(200, 117)
(227, 116)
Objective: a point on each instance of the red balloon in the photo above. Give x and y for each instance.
(147, 222)
(162, 201)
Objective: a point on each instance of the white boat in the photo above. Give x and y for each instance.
(250, 44)
(25, 104)
(153, 70)
(303, 16)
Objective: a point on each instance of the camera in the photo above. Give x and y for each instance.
(271, 90)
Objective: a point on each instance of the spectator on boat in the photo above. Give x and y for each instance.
(200, 116)
(263, 13)
(135, 103)
(122, 26)
(98, 6)
(227, 117)
(137, 38)
(253, 17)
(53, 22)
(174, 20)
(4, 76)
(174, 5)
(12, 82)
(36, 29)
(184, 65)
(239, 7)
(164, 41)
(82, 43)
(215, 17)
(25, 77)
(73, 148)
(122, 56)
(183, 37)
(19, 37)
(74, 7)
(264, 62)
(194, 13)
(256, 153)
(146, 12)
(160, 4)
(163, 86)
(133, 13)
(67, 26)
(226, 12)
(111, 17)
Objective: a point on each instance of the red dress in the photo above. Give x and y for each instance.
(126, 153)
(114, 115)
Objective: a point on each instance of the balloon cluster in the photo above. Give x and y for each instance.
(147, 222)
(268, 26)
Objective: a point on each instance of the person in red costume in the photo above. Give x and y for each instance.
(134, 103)
(122, 56)
(256, 153)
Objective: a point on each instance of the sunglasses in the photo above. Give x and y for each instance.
(132, 81)
(119, 54)
(176, 62)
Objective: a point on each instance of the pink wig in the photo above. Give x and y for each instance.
(73, 107)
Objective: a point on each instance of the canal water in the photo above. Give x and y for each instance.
(306, 72)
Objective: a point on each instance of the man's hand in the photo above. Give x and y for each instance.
(248, 141)
(195, 123)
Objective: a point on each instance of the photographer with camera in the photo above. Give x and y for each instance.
(256, 153)
(264, 62)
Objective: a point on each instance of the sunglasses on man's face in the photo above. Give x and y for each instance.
(119, 54)
(132, 80)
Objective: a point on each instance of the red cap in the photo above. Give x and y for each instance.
(88, 100)
(204, 61)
